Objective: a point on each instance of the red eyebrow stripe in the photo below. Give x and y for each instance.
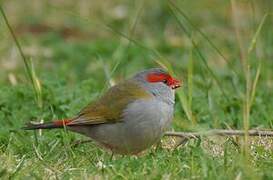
(156, 77)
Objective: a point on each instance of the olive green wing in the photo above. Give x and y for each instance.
(109, 107)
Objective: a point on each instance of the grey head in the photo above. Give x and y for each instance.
(159, 83)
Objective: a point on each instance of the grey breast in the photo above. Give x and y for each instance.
(143, 123)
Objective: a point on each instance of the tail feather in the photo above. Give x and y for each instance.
(49, 125)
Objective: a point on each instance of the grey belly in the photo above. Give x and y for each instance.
(142, 125)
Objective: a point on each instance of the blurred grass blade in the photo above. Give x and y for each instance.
(27, 62)
(190, 78)
(185, 104)
(251, 90)
(255, 82)
(238, 32)
(28, 69)
(121, 53)
(255, 37)
(246, 112)
(18, 167)
(36, 85)
(165, 65)
(183, 14)
(203, 59)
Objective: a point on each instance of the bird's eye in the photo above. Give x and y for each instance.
(165, 81)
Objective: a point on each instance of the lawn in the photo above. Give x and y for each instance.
(75, 50)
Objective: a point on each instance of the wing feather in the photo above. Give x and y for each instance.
(109, 107)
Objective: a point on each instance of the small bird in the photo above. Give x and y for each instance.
(130, 117)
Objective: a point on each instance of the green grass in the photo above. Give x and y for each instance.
(222, 50)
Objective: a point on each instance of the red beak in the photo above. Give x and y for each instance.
(175, 84)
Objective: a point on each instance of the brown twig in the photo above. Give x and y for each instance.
(221, 132)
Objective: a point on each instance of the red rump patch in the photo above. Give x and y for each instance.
(62, 122)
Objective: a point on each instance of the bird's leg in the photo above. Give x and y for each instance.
(78, 142)
(112, 155)
(181, 142)
(158, 146)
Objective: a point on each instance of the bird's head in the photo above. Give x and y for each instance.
(158, 82)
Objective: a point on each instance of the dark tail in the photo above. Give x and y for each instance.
(49, 125)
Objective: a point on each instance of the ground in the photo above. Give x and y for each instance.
(222, 50)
